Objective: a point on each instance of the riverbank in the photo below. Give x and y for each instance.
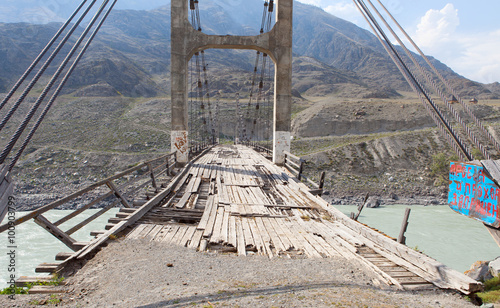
(137, 273)
(392, 199)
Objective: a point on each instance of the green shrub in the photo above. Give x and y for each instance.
(491, 292)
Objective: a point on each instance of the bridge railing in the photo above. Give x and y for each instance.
(197, 148)
(121, 190)
(296, 165)
(259, 146)
(263, 149)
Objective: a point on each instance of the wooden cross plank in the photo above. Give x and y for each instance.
(187, 236)
(240, 238)
(170, 234)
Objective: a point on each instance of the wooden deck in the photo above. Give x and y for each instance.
(233, 199)
(248, 205)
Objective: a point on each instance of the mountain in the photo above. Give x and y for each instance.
(132, 53)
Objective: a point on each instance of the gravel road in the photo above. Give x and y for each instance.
(137, 273)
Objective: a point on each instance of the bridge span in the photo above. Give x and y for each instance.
(232, 199)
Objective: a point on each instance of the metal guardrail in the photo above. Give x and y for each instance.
(263, 149)
(295, 165)
(121, 191)
(197, 148)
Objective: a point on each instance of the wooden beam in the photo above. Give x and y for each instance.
(135, 216)
(151, 173)
(404, 225)
(6, 198)
(360, 208)
(494, 232)
(432, 270)
(83, 208)
(74, 195)
(55, 231)
(117, 193)
(91, 218)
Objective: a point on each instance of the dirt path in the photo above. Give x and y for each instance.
(135, 273)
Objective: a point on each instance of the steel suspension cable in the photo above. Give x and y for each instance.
(414, 80)
(199, 97)
(265, 27)
(413, 86)
(197, 13)
(264, 17)
(433, 84)
(216, 117)
(270, 106)
(238, 119)
(191, 108)
(44, 67)
(34, 108)
(444, 81)
(58, 90)
(206, 115)
(40, 56)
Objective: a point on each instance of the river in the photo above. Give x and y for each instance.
(35, 246)
(439, 232)
(451, 238)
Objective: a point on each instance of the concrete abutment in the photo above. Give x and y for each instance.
(277, 43)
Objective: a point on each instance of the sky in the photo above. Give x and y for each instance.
(463, 34)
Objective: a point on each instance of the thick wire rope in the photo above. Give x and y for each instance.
(206, 86)
(414, 83)
(40, 56)
(265, 27)
(191, 107)
(199, 97)
(238, 117)
(216, 118)
(270, 107)
(444, 81)
(44, 67)
(59, 88)
(434, 86)
(27, 119)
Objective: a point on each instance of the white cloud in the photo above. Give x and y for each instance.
(473, 55)
(437, 28)
(313, 2)
(345, 10)
(478, 58)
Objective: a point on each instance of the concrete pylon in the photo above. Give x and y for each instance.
(277, 43)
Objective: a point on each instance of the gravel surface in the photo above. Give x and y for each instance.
(136, 273)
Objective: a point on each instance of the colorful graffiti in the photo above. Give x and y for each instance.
(473, 194)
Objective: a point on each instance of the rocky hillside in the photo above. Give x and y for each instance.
(351, 115)
(132, 52)
(386, 148)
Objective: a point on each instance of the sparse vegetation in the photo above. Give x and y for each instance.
(491, 293)
(440, 168)
(14, 290)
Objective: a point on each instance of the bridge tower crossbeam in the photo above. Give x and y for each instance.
(277, 43)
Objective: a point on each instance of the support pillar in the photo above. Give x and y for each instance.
(283, 81)
(179, 81)
(277, 43)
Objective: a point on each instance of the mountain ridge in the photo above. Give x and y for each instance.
(138, 42)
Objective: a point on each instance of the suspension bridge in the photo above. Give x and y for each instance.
(250, 196)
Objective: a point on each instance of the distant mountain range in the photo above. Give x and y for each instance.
(132, 53)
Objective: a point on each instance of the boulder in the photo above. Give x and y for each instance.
(494, 267)
(479, 271)
(372, 202)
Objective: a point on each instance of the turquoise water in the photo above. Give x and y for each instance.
(451, 238)
(35, 246)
